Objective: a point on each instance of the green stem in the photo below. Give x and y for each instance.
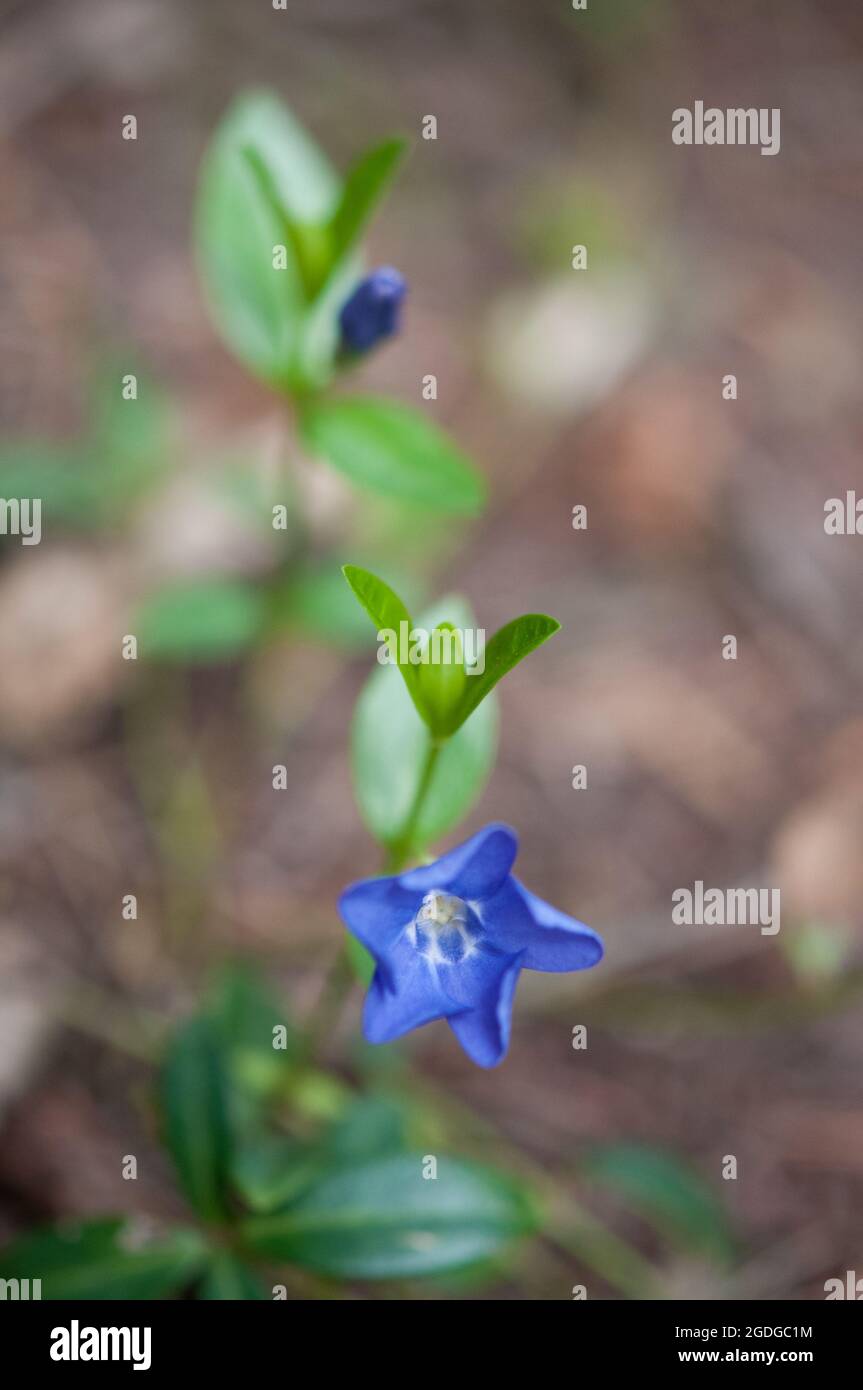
(402, 848)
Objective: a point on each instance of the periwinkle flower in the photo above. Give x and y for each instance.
(373, 310)
(450, 939)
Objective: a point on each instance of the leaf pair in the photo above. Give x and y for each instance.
(444, 690)
(265, 184)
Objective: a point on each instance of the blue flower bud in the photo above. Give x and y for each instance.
(373, 310)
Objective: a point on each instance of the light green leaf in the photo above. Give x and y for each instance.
(510, 645)
(391, 449)
(320, 604)
(388, 614)
(198, 621)
(384, 1220)
(364, 186)
(260, 309)
(665, 1190)
(193, 1092)
(112, 1257)
(388, 750)
(127, 449)
(442, 679)
(228, 1278)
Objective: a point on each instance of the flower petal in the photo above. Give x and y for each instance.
(417, 999)
(376, 911)
(474, 870)
(517, 920)
(483, 1031)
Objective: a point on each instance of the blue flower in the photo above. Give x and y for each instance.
(450, 939)
(373, 310)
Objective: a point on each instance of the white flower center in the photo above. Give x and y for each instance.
(444, 930)
(441, 910)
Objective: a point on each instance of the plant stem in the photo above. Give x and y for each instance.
(403, 846)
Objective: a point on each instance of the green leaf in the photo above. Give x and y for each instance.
(109, 1258)
(442, 679)
(271, 1170)
(389, 745)
(228, 1278)
(258, 309)
(59, 477)
(388, 614)
(393, 450)
(667, 1192)
(310, 243)
(127, 450)
(364, 186)
(195, 1109)
(384, 1220)
(199, 621)
(245, 1011)
(370, 1127)
(319, 604)
(510, 645)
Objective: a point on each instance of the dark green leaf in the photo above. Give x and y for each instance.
(391, 449)
(389, 744)
(384, 1220)
(199, 621)
(247, 1020)
(272, 1170)
(370, 1127)
(109, 1258)
(228, 1278)
(510, 645)
(666, 1191)
(195, 1109)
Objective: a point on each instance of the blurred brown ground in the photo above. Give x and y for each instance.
(706, 518)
